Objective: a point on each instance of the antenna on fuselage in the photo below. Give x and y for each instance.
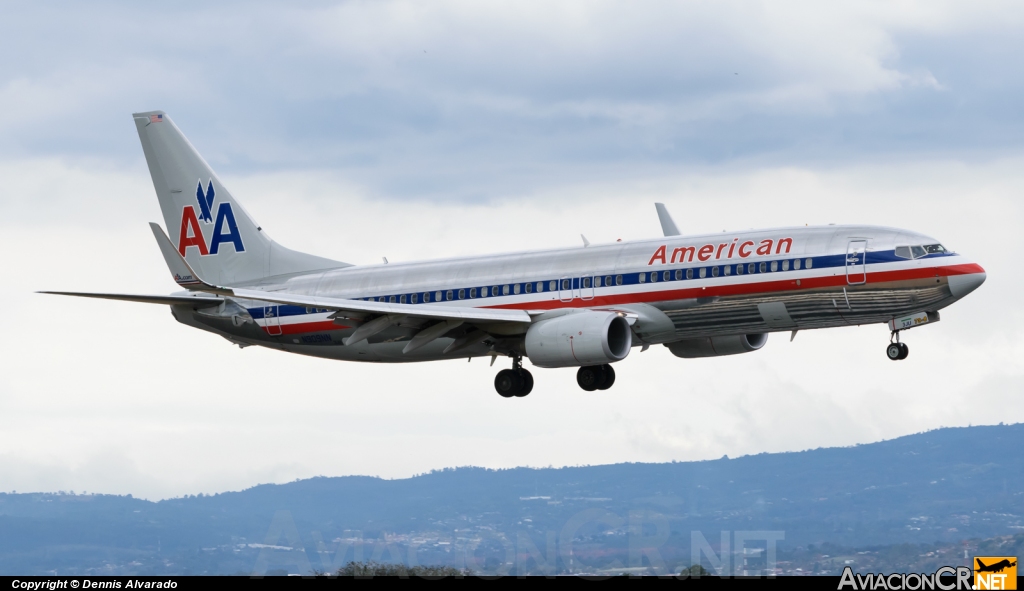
(667, 225)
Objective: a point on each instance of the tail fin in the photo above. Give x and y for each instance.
(214, 233)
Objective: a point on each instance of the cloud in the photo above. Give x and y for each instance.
(470, 101)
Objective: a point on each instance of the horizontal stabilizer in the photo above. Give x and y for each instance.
(199, 301)
(466, 314)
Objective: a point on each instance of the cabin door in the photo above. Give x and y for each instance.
(272, 321)
(856, 262)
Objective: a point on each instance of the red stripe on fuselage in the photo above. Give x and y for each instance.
(304, 327)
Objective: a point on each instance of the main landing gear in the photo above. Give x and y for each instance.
(516, 382)
(896, 351)
(595, 377)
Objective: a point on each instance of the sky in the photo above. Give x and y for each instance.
(356, 130)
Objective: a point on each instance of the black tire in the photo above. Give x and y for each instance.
(507, 383)
(609, 378)
(589, 377)
(527, 378)
(893, 351)
(904, 350)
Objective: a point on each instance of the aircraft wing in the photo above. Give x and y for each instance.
(201, 301)
(361, 308)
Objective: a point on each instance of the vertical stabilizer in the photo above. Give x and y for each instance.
(209, 228)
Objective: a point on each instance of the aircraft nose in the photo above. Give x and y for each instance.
(961, 285)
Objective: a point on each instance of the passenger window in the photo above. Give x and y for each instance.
(451, 295)
(727, 269)
(391, 300)
(597, 281)
(808, 263)
(402, 299)
(566, 284)
(529, 287)
(437, 296)
(703, 273)
(540, 286)
(679, 274)
(618, 280)
(775, 266)
(472, 292)
(483, 292)
(714, 271)
(415, 298)
(796, 265)
(654, 277)
(751, 268)
(934, 248)
(762, 267)
(462, 294)
(689, 273)
(917, 251)
(666, 276)
(785, 265)
(739, 269)
(586, 282)
(309, 310)
(505, 290)
(515, 289)
(641, 277)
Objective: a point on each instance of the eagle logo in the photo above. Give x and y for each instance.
(205, 201)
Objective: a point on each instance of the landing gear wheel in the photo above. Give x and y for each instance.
(527, 381)
(894, 351)
(595, 377)
(904, 350)
(508, 383)
(590, 377)
(609, 377)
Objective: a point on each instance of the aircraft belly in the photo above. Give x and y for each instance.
(809, 309)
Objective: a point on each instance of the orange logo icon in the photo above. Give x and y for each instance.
(995, 572)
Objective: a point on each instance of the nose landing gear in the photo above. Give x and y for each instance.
(516, 382)
(595, 377)
(896, 351)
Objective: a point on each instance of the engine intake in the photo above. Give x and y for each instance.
(717, 346)
(577, 339)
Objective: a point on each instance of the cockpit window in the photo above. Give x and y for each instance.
(916, 252)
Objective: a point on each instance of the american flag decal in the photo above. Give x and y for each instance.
(156, 118)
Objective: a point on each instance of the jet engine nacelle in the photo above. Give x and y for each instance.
(577, 339)
(716, 346)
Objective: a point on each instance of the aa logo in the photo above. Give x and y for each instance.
(225, 230)
(995, 572)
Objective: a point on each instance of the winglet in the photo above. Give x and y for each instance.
(667, 225)
(179, 268)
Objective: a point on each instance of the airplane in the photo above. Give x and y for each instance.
(994, 568)
(585, 307)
